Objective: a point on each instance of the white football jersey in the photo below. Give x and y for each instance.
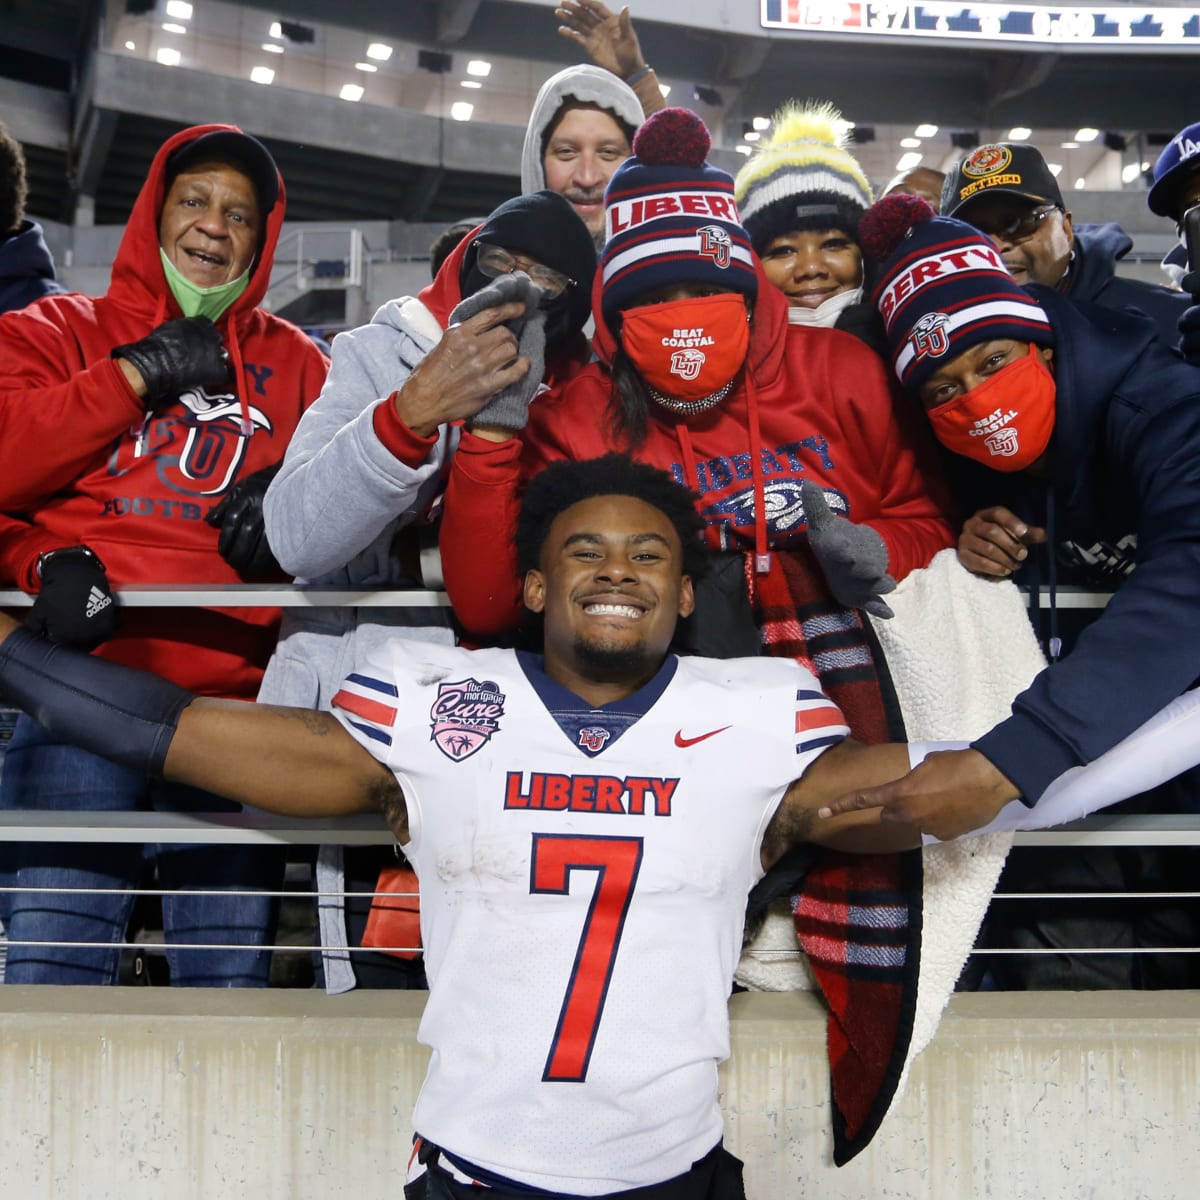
(584, 875)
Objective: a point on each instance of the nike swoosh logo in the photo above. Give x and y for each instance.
(683, 743)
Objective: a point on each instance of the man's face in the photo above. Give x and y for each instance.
(810, 267)
(1034, 239)
(210, 224)
(968, 370)
(611, 586)
(582, 153)
(920, 181)
(1189, 194)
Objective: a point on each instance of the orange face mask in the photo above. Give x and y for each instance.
(688, 349)
(1006, 422)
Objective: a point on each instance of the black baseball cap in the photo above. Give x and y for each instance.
(239, 150)
(1000, 168)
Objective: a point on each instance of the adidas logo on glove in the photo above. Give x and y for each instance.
(97, 602)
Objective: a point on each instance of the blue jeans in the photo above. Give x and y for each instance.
(42, 774)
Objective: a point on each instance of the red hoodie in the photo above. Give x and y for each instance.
(82, 464)
(810, 404)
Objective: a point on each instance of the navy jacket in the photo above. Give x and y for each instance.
(1093, 279)
(26, 268)
(1126, 458)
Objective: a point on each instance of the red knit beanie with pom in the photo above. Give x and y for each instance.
(942, 288)
(671, 217)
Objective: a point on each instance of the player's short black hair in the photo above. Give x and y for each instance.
(560, 485)
(13, 188)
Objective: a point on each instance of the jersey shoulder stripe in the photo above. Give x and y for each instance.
(361, 696)
(819, 721)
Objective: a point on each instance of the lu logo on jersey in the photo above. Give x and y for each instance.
(592, 738)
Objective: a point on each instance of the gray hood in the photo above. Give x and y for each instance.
(587, 83)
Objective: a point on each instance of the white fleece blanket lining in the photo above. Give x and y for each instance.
(959, 648)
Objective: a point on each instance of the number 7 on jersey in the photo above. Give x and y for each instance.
(616, 862)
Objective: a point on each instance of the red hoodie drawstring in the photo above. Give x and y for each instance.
(234, 346)
(762, 555)
(689, 456)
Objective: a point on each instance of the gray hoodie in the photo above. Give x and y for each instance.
(331, 516)
(338, 501)
(592, 85)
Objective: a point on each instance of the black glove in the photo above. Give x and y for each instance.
(509, 407)
(75, 606)
(239, 517)
(178, 355)
(1189, 333)
(852, 556)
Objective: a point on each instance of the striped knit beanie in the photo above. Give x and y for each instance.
(802, 178)
(942, 288)
(671, 217)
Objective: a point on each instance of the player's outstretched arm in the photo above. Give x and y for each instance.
(289, 761)
(848, 767)
(286, 760)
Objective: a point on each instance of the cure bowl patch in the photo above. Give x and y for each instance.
(465, 715)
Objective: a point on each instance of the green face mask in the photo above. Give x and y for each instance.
(195, 301)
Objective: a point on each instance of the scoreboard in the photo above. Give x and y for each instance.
(1112, 27)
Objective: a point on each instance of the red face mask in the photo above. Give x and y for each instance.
(1006, 422)
(688, 349)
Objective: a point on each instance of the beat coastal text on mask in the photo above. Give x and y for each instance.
(689, 338)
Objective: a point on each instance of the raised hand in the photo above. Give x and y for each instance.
(607, 38)
(478, 356)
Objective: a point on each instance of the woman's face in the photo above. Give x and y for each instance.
(810, 267)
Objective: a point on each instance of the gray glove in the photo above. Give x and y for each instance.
(180, 354)
(509, 407)
(852, 556)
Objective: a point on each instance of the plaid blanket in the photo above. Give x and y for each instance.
(857, 917)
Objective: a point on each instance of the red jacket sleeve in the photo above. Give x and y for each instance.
(57, 410)
(915, 515)
(475, 536)
(20, 545)
(479, 517)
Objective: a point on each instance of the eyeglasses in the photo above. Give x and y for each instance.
(1019, 229)
(494, 262)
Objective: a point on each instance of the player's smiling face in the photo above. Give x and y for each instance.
(611, 588)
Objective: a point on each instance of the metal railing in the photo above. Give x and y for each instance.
(306, 259)
(1102, 830)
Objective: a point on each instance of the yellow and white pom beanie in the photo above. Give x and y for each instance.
(802, 177)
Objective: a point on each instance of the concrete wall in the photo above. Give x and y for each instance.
(133, 1094)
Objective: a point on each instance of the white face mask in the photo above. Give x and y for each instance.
(827, 312)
